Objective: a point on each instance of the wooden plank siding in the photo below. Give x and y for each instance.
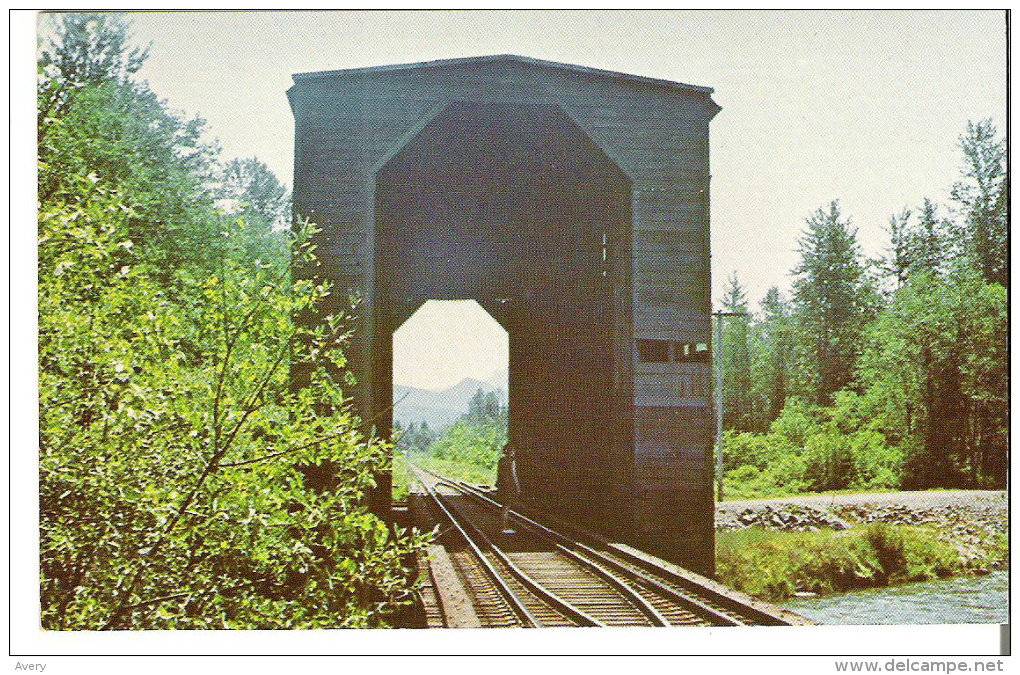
(358, 132)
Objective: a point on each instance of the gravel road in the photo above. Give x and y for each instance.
(967, 516)
(994, 499)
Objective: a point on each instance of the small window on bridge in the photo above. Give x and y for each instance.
(653, 351)
(701, 352)
(690, 352)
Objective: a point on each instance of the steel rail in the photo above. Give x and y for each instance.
(558, 603)
(692, 604)
(634, 596)
(550, 598)
(502, 585)
(749, 614)
(563, 606)
(642, 604)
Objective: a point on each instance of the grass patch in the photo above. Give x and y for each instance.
(774, 565)
(465, 471)
(403, 477)
(996, 551)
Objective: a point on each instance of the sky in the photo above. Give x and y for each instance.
(446, 341)
(863, 106)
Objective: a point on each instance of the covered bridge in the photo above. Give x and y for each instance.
(571, 203)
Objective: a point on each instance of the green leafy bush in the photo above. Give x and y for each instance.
(829, 462)
(478, 445)
(813, 449)
(798, 422)
(752, 450)
(877, 464)
(775, 565)
(183, 482)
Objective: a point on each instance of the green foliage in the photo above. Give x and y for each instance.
(470, 448)
(922, 247)
(812, 449)
(125, 138)
(90, 48)
(748, 450)
(251, 193)
(982, 194)
(94, 120)
(460, 470)
(877, 465)
(783, 478)
(737, 402)
(402, 477)
(775, 565)
(771, 358)
(416, 438)
(833, 301)
(897, 261)
(829, 461)
(937, 370)
(798, 422)
(930, 246)
(183, 483)
(484, 409)
(476, 444)
(906, 390)
(255, 192)
(173, 455)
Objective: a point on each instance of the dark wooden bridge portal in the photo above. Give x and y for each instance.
(572, 204)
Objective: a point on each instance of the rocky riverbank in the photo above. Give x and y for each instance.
(974, 521)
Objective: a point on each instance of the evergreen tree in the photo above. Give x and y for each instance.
(772, 361)
(483, 408)
(928, 243)
(897, 262)
(476, 407)
(736, 360)
(833, 300)
(491, 406)
(425, 437)
(982, 198)
(936, 375)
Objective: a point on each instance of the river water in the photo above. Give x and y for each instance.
(967, 599)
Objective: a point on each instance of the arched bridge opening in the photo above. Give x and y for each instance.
(514, 206)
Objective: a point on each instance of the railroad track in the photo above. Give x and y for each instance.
(541, 577)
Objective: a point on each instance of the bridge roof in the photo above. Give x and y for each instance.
(495, 58)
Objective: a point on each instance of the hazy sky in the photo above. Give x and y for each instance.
(446, 341)
(865, 107)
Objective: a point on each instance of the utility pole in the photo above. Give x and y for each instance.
(719, 316)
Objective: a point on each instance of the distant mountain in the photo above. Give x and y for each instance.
(500, 379)
(441, 408)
